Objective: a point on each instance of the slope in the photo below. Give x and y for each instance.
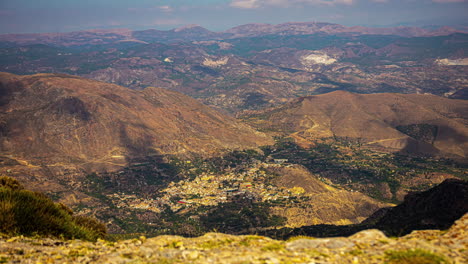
(412, 123)
(49, 118)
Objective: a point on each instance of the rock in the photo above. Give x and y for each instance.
(170, 253)
(190, 254)
(145, 252)
(369, 236)
(339, 243)
(330, 243)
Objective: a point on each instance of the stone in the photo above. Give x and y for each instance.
(190, 254)
(370, 236)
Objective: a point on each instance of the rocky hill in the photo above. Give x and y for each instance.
(436, 208)
(412, 123)
(50, 119)
(369, 246)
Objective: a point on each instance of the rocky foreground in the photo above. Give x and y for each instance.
(369, 246)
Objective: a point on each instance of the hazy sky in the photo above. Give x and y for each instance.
(20, 16)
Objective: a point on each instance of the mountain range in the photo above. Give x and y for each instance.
(252, 66)
(196, 33)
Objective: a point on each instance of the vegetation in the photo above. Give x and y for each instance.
(422, 132)
(347, 163)
(241, 213)
(413, 256)
(336, 161)
(24, 212)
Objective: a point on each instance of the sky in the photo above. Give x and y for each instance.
(38, 16)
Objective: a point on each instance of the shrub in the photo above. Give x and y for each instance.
(91, 224)
(10, 183)
(24, 212)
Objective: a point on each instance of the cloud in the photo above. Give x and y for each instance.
(246, 4)
(252, 4)
(165, 8)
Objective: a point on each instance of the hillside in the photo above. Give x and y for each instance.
(435, 208)
(62, 119)
(417, 124)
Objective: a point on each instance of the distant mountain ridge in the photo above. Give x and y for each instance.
(304, 28)
(198, 33)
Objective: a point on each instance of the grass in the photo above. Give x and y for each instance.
(413, 256)
(175, 244)
(273, 246)
(23, 212)
(210, 244)
(247, 241)
(356, 252)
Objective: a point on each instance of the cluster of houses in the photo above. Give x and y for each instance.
(212, 189)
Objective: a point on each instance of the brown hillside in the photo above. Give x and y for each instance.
(327, 205)
(50, 118)
(398, 122)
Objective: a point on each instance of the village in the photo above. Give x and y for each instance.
(209, 189)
